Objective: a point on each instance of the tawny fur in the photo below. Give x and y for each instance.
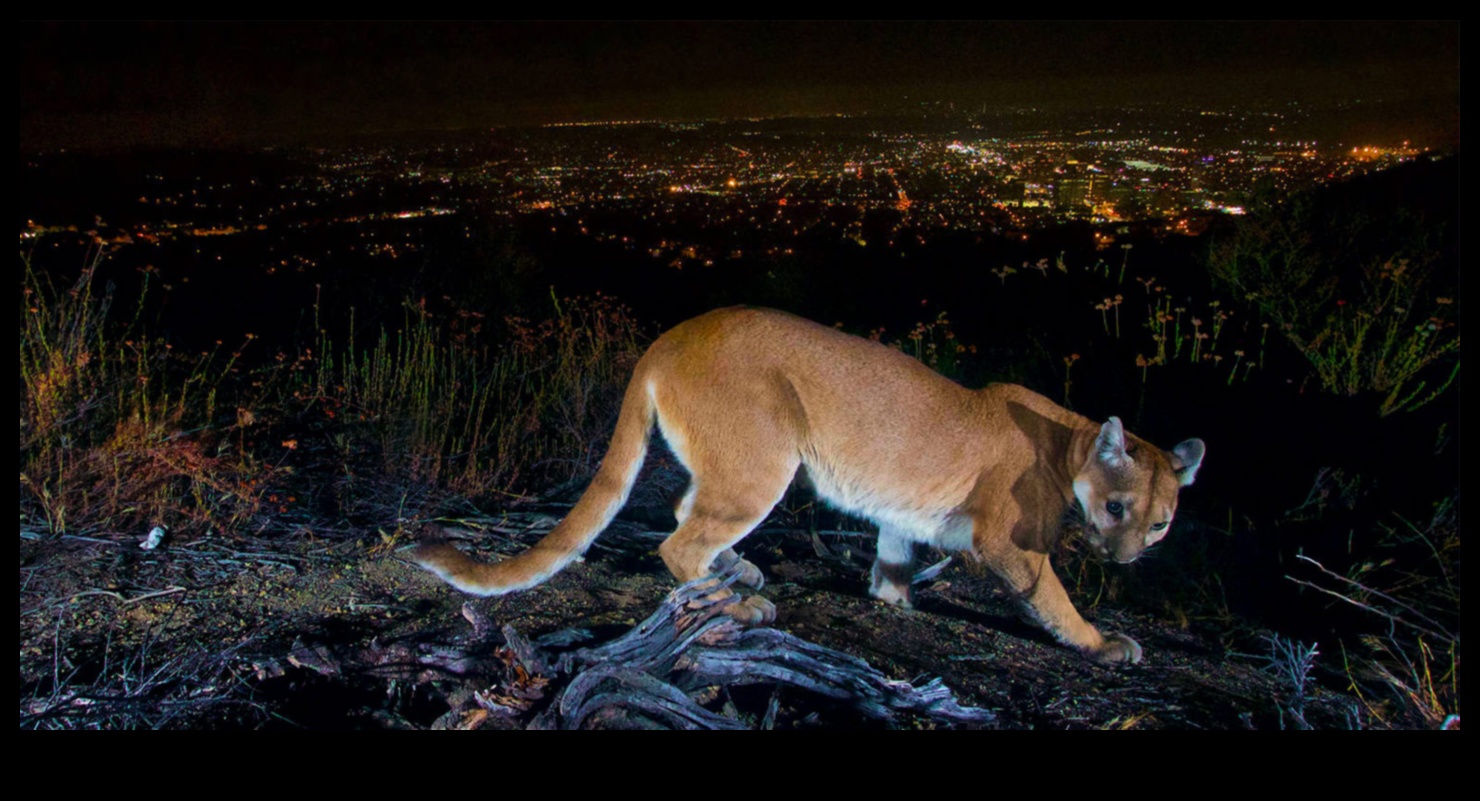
(746, 396)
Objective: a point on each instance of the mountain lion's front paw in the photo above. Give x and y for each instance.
(1118, 648)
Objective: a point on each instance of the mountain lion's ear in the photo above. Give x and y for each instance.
(1110, 445)
(1186, 458)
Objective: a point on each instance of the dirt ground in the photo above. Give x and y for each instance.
(305, 630)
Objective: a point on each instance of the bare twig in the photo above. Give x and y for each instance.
(117, 596)
(930, 572)
(1438, 631)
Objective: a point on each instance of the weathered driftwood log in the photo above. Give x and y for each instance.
(650, 676)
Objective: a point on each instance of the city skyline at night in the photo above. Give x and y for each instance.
(110, 85)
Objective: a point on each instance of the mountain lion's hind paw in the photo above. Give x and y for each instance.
(753, 611)
(750, 575)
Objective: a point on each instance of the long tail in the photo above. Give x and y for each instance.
(590, 516)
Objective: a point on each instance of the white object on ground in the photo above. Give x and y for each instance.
(156, 536)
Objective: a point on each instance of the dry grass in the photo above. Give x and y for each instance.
(119, 430)
(1406, 673)
(1366, 322)
(446, 403)
(116, 428)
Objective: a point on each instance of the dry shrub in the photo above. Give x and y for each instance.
(116, 429)
(449, 405)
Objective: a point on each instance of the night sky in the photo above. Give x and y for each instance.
(170, 84)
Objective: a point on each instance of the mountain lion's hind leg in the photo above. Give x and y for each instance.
(726, 505)
(894, 566)
(750, 575)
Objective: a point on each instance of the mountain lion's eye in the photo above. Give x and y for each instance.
(1115, 508)
(1158, 526)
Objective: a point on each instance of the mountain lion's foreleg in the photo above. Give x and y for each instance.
(894, 566)
(1030, 575)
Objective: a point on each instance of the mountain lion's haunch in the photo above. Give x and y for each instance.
(746, 396)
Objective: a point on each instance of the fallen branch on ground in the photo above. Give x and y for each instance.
(651, 676)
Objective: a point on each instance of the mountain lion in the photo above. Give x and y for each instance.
(744, 396)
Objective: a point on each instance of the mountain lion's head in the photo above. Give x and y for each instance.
(1127, 490)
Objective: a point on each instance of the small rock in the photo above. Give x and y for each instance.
(156, 536)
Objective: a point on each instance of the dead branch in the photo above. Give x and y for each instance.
(930, 572)
(650, 676)
(1432, 629)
